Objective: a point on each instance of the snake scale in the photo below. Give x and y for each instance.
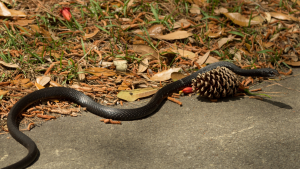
(103, 111)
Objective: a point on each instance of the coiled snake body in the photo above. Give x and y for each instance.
(103, 111)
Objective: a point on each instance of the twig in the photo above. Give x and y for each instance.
(174, 100)
(93, 47)
(106, 121)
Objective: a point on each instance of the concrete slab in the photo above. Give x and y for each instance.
(233, 133)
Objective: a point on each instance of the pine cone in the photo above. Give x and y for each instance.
(219, 82)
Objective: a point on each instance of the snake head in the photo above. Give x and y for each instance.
(268, 72)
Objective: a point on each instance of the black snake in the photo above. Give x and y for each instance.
(103, 111)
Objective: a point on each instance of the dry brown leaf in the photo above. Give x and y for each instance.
(23, 22)
(167, 53)
(143, 65)
(49, 55)
(239, 19)
(195, 9)
(198, 18)
(139, 31)
(35, 28)
(174, 35)
(204, 59)
(177, 76)
(294, 57)
(139, 42)
(184, 53)
(3, 92)
(124, 27)
(11, 65)
(115, 5)
(27, 85)
(127, 82)
(43, 80)
(292, 63)
(268, 44)
(87, 36)
(54, 83)
(274, 37)
(25, 31)
(245, 52)
(17, 13)
(123, 86)
(155, 30)
(183, 22)
(298, 2)
(267, 16)
(164, 75)
(4, 11)
(217, 34)
(83, 88)
(81, 2)
(145, 51)
(98, 71)
(220, 11)
(38, 86)
(248, 46)
(200, 3)
(53, 34)
(223, 41)
(211, 59)
(132, 95)
(282, 16)
(46, 34)
(20, 81)
(41, 30)
(258, 18)
(130, 3)
(237, 54)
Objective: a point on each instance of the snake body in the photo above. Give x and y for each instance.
(103, 111)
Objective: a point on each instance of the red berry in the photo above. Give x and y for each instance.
(187, 90)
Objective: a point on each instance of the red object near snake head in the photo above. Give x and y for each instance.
(187, 90)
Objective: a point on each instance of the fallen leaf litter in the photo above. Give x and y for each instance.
(98, 77)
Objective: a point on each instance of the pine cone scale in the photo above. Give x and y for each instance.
(219, 82)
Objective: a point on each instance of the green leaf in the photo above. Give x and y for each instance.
(102, 29)
(207, 17)
(154, 12)
(236, 33)
(265, 51)
(248, 92)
